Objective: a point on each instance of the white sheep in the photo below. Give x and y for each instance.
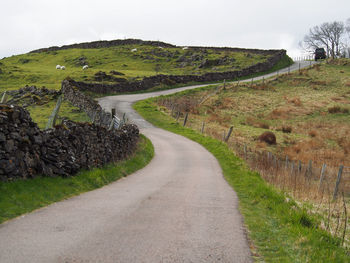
(85, 67)
(184, 48)
(63, 67)
(58, 67)
(134, 50)
(160, 47)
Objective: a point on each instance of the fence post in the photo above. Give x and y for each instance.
(224, 84)
(185, 120)
(309, 169)
(299, 166)
(203, 124)
(292, 168)
(338, 182)
(93, 117)
(263, 80)
(113, 112)
(287, 162)
(245, 151)
(177, 116)
(323, 171)
(4, 97)
(229, 134)
(53, 117)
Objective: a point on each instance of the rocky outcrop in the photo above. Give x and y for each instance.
(26, 151)
(105, 44)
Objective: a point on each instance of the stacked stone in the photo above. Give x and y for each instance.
(19, 144)
(85, 103)
(32, 95)
(26, 151)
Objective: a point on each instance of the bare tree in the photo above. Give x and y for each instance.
(328, 36)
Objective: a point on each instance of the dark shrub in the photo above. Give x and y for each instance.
(268, 137)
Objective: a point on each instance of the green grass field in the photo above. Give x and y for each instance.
(40, 68)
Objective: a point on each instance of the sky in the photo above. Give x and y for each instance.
(26, 25)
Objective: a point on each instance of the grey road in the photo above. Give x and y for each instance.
(179, 208)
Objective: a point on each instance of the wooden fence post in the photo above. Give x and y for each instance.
(203, 124)
(245, 151)
(229, 134)
(113, 112)
(335, 193)
(53, 117)
(224, 84)
(323, 171)
(177, 116)
(309, 169)
(299, 166)
(93, 117)
(185, 120)
(287, 162)
(4, 97)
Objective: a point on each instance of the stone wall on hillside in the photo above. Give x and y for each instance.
(26, 151)
(105, 44)
(123, 42)
(85, 103)
(153, 81)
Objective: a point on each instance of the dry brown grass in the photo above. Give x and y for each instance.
(312, 133)
(223, 120)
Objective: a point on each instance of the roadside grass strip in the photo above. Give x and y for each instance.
(23, 196)
(279, 230)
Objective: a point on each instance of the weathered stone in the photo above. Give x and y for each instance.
(9, 145)
(26, 151)
(2, 137)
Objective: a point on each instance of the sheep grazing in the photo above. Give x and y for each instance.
(85, 67)
(134, 50)
(160, 47)
(184, 48)
(63, 67)
(58, 67)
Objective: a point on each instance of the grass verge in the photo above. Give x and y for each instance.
(22, 196)
(280, 230)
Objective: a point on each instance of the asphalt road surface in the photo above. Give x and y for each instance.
(179, 208)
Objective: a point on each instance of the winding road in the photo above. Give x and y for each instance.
(179, 208)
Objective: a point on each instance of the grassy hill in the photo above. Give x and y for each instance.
(127, 62)
(307, 111)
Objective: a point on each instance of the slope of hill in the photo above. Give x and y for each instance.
(121, 61)
(307, 110)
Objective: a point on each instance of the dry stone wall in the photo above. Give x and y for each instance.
(85, 103)
(150, 82)
(26, 151)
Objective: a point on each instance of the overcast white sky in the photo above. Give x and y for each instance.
(267, 24)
